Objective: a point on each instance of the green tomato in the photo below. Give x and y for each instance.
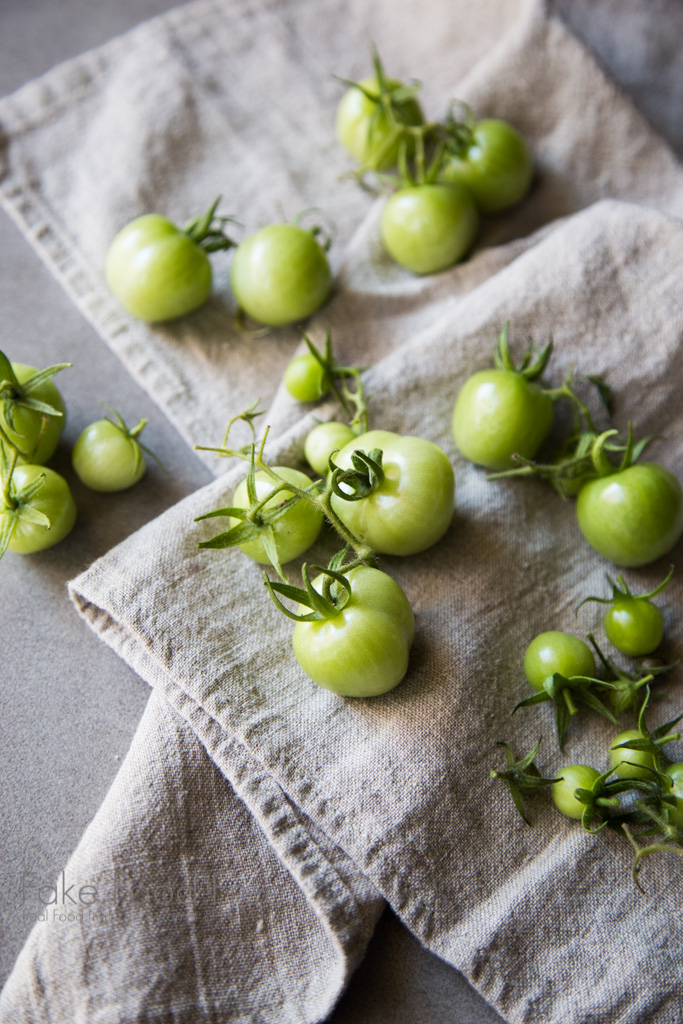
(322, 441)
(305, 379)
(496, 166)
(364, 129)
(427, 228)
(363, 650)
(634, 625)
(632, 516)
(156, 271)
(413, 507)
(557, 652)
(53, 499)
(106, 457)
(618, 758)
(280, 275)
(574, 776)
(498, 414)
(675, 773)
(295, 531)
(35, 434)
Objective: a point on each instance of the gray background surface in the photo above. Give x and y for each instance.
(70, 706)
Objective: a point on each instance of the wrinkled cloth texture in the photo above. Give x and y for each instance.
(254, 901)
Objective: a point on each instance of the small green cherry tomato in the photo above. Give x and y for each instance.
(675, 773)
(280, 275)
(305, 379)
(107, 457)
(322, 441)
(295, 531)
(634, 625)
(412, 508)
(52, 499)
(156, 271)
(557, 652)
(574, 776)
(364, 129)
(427, 228)
(632, 516)
(495, 165)
(619, 758)
(363, 650)
(499, 413)
(35, 434)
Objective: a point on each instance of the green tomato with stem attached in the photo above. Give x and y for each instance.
(363, 649)
(306, 379)
(295, 531)
(628, 763)
(366, 130)
(108, 456)
(494, 163)
(33, 432)
(573, 777)
(40, 513)
(553, 652)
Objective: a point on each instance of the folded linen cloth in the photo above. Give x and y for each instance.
(383, 802)
(546, 921)
(238, 98)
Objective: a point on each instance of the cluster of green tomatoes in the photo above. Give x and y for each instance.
(442, 175)
(640, 795)
(37, 509)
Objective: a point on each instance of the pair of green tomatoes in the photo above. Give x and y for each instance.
(279, 275)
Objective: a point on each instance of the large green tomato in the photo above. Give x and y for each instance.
(573, 777)
(106, 458)
(499, 413)
(280, 275)
(364, 129)
(496, 166)
(363, 650)
(427, 228)
(553, 652)
(156, 270)
(412, 508)
(53, 500)
(35, 434)
(632, 516)
(295, 531)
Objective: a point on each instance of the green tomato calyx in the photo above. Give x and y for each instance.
(17, 504)
(621, 591)
(326, 603)
(627, 686)
(207, 231)
(15, 395)
(533, 362)
(521, 775)
(565, 692)
(366, 476)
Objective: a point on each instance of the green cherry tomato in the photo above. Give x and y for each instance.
(496, 166)
(295, 531)
(52, 499)
(557, 652)
(675, 773)
(364, 129)
(156, 271)
(280, 275)
(363, 650)
(35, 434)
(618, 758)
(107, 457)
(322, 441)
(412, 508)
(305, 379)
(633, 516)
(573, 777)
(634, 625)
(499, 413)
(427, 228)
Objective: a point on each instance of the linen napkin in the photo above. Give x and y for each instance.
(358, 799)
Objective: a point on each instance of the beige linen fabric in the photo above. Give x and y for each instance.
(358, 800)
